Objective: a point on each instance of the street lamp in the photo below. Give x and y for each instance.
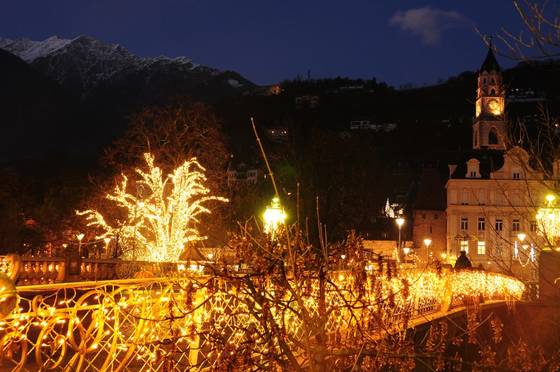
(400, 222)
(80, 236)
(427, 243)
(273, 216)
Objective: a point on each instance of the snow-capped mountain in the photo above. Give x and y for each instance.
(84, 64)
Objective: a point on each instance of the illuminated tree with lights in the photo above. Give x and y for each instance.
(161, 215)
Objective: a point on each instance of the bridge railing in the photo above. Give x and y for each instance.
(163, 323)
(31, 270)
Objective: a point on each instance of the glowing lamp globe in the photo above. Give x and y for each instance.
(273, 216)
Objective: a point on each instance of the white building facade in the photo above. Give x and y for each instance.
(493, 194)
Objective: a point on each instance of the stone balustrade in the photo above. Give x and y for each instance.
(31, 270)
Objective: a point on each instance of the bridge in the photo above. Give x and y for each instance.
(189, 320)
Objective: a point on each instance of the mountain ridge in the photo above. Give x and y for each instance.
(84, 63)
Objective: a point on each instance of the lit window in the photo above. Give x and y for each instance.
(464, 223)
(481, 248)
(515, 225)
(499, 224)
(465, 246)
(481, 224)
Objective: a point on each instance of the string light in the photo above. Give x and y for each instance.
(162, 219)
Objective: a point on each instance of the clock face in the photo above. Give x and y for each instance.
(494, 107)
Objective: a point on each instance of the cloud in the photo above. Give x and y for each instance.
(428, 23)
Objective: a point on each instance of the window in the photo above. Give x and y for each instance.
(499, 224)
(465, 197)
(436, 216)
(533, 226)
(515, 175)
(492, 137)
(481, 248)
(430, 229)
(464, 223)
(498, 249)
(482, 196)
(465, 246)
(481, 224)
(515, 225)
(423, 216)
(473, 174)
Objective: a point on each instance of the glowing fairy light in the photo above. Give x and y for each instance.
(548, 219)
(162, 220)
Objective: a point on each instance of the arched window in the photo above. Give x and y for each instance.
(484, 81)
(492, 137)
(492, 81)
(492, 92)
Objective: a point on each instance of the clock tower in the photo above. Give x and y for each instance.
(489, 127)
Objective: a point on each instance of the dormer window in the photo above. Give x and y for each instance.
(473, 168)
(515, 175)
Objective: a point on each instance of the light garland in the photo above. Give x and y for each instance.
(201, 320)
(160, 221)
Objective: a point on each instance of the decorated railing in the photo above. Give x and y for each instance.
(30, 270)
(196, 322)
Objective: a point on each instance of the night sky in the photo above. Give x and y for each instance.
(269, 41)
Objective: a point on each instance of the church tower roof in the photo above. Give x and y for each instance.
(490, 63)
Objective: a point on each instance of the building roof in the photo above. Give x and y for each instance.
(490, 63)
(490, 161)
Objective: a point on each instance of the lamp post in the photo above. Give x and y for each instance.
(273, 217)
(80, 236)
(427, 243)
(400, 222)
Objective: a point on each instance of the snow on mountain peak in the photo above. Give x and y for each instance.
(30, 50)
(83, 63)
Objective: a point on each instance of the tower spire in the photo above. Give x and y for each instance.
(489, 127)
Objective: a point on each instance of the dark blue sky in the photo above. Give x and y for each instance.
(268, 41)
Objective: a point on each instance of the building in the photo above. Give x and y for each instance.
(241, 174)
(493, 193)
(428, 216)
